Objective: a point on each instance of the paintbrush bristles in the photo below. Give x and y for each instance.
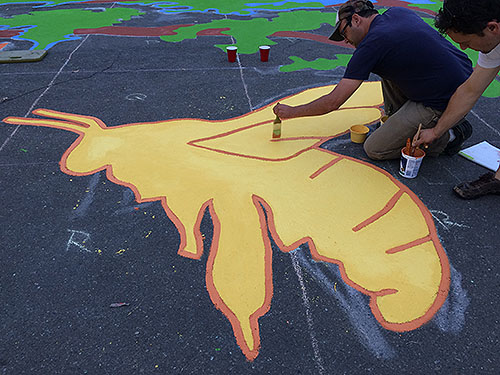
(277, 127)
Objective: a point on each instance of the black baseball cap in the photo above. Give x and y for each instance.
(345, 11)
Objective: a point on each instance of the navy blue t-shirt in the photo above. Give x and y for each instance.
(402, 48)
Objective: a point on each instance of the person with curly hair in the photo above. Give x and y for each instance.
(473, 24)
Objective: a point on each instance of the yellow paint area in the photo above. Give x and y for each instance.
(349, 211)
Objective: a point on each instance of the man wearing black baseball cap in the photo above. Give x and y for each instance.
(419, 69)
(345, 12)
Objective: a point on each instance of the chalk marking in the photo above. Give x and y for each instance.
(353, 302)
(128, 198)
(245, 87)
(49, 86)
(451, 173)
(136, 96)
(451, 316)
(134, 71)
(305, 300)
(80, 244)
(445, 220)
(485, 123)
(88, 198)
(440, 182)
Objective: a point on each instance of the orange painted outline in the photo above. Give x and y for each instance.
(432, 236)
(408, 245)
(325, 167)
(249, 353)
(388, 206)
(216, 299)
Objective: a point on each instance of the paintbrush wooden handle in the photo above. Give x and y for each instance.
(412, 150)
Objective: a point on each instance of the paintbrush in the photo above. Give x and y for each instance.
(412, 151)
(408, 146)
(277, 127)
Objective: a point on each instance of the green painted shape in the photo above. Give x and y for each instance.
(51, 26)
(44, 2)
(223, 7)
(317, 64)
(434, 6)
(249, 41)
(289, 5)
(493, 90)
(234, 6)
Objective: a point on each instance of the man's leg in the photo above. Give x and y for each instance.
(387, 141)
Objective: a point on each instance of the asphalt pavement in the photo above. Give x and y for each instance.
(73, 245)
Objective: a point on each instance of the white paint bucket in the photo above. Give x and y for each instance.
(409, 165)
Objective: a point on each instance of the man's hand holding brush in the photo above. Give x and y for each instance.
(424, 138)
(283, 111)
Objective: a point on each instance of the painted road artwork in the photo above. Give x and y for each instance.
(348, 211)
(294, 20)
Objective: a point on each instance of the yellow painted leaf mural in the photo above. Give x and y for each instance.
(350, 212)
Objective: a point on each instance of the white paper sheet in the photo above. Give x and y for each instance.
(483, 154)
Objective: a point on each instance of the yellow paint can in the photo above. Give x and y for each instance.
(358, 133)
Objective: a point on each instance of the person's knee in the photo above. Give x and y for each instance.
(372, 151)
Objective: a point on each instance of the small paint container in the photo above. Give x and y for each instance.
(358, 133)
(383, 119)
(409, 165)
(264, 53)
(231, 53)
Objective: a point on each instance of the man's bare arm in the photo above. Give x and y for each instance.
(325, 104)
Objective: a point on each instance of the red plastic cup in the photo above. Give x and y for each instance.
(231, 53)
(264, 53)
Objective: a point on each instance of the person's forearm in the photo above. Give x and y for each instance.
(459, 105)
(323, 105)
(320, 106)
(464, 98)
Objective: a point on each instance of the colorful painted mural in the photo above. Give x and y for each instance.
(349, 212)
(248, 24)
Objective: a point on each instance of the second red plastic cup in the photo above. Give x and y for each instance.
(231, 53)
(264, 53)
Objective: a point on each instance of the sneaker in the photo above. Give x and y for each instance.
(462, 131)
(486, 184)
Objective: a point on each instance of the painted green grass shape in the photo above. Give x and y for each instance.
(317, 64)
(249, 41)
(242, 7)
(52, 26)
(224, 7)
